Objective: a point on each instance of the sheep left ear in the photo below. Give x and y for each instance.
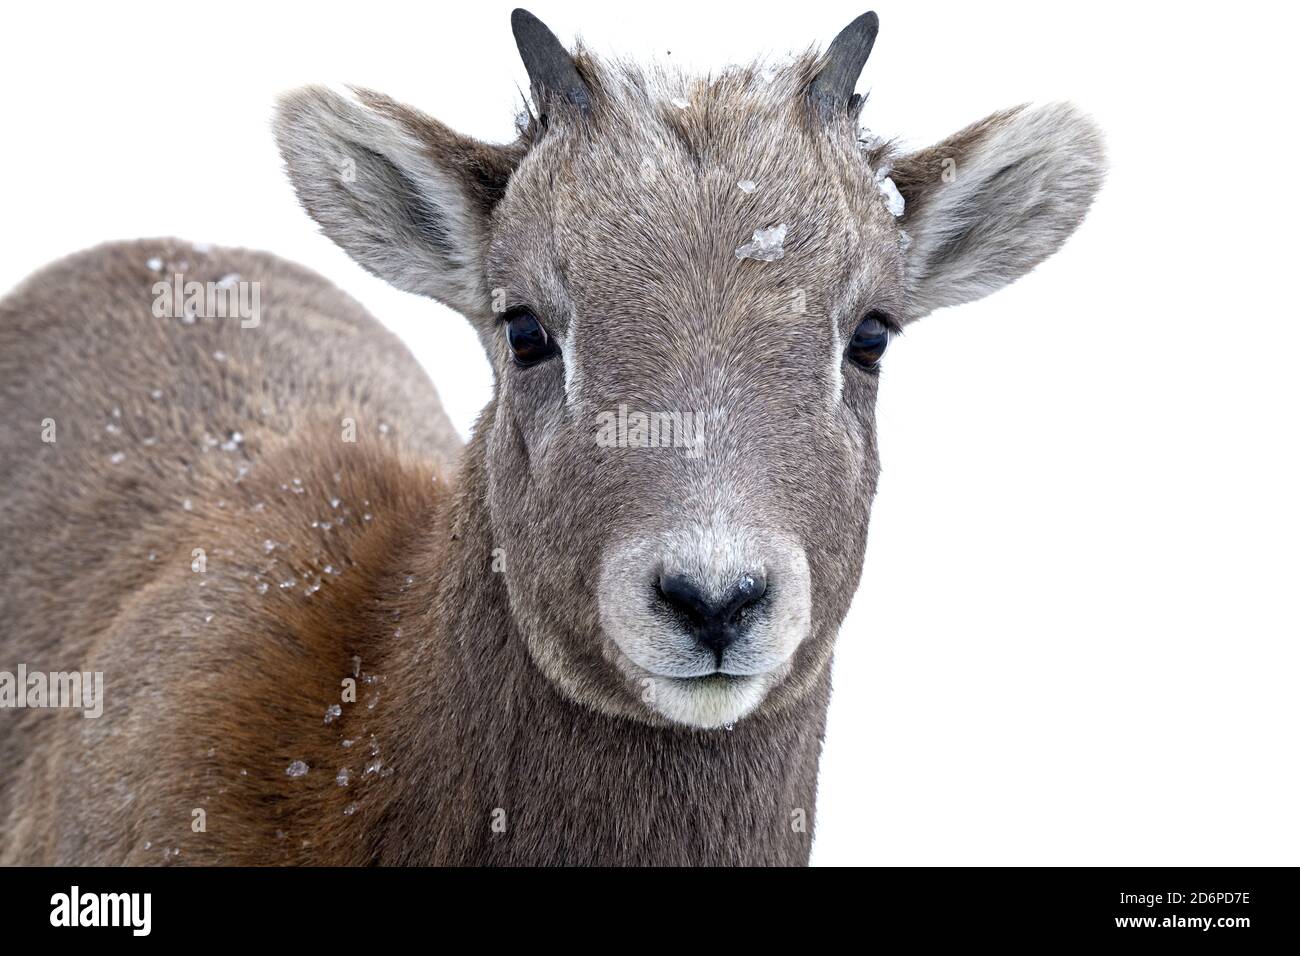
(406, 197)
(989, 203)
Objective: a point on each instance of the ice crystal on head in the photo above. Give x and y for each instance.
(117, 457)
(893, 198)
(746, 185)
(298, 768)
(350, 809)
(681, 103)
(343, 777)
(331, 712)
(766, 246)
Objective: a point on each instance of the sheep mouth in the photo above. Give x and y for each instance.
(712, 679)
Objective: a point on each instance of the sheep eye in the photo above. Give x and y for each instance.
(527, 337)
(869, 341)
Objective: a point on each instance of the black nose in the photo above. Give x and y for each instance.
(716, 624)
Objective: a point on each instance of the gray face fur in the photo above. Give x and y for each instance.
(617, 224)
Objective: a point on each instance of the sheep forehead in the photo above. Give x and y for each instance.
(608, 196)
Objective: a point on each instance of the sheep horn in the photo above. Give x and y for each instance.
(831, 90)
(551, 69)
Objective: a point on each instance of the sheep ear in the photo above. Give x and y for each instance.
(989, 203)
(406, 197)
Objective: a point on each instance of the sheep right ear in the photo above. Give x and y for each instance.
(403, 195)
(989, 203)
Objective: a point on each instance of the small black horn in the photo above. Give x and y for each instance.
(550, 67)
(832, 88)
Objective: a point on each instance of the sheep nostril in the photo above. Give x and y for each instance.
(716, 624)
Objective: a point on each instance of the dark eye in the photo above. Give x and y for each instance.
(869, 341)
(527, 337)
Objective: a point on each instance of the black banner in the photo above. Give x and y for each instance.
(1220, 907)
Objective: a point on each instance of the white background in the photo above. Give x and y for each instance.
(1075, 639)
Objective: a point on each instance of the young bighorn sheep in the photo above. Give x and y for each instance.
(602, 631)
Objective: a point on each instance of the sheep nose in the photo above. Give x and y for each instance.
(715, 624)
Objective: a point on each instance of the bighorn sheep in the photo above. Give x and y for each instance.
(599, 633)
